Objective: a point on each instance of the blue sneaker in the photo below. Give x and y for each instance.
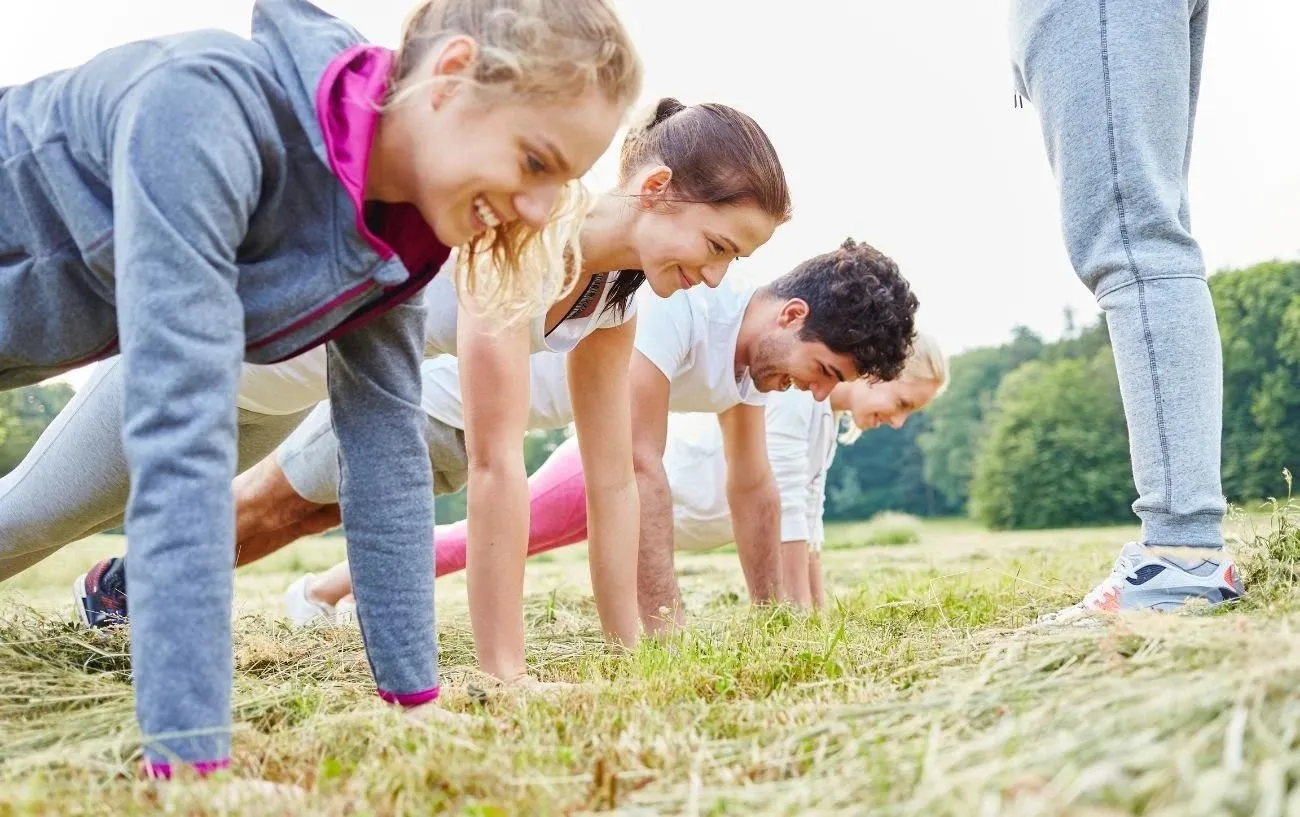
(1143, 580)
(99, 594)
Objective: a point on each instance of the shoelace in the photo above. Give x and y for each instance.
(1125, 567)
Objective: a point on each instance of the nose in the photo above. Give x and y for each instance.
(820, 390)
(897, 420)
(536, 205)
(712, 274)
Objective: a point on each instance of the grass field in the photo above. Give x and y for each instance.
(921, 691)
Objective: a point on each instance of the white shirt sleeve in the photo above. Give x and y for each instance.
(788, 417)
(817, 488)
(664, 332)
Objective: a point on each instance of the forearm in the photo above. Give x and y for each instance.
(497, 523)
(386, 498)
(613, 520)
(815, 580)
(756, 522)
(657, 593)
(795, 585)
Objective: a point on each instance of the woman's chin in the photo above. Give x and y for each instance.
(663, 288)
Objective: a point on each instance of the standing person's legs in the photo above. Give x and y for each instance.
(1115, 86)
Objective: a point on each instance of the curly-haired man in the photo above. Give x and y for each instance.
(839, 316)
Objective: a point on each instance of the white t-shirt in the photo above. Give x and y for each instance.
(801, 446)
(548, 390)
(299, 383)
(691, 338)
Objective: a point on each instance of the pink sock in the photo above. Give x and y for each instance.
(557, 511)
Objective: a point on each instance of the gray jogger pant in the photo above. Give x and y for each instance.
(74, 481)
(310, 457)
(1115, 85)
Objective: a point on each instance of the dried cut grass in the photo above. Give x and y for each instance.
(922, 691)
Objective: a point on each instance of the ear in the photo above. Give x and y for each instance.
(793, 313)
(654, 183)
(454, 61)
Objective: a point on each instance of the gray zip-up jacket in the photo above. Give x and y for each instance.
(175, 196)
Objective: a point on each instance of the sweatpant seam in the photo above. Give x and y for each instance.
(1212, 514)
(1181, 276)
(1206, 546)
(1128, 254)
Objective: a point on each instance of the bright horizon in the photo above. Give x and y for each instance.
(894, 123)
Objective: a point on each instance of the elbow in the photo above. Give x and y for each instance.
(760, 487)
(646, 463)
(496, 462)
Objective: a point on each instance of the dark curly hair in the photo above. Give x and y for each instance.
(859, 304)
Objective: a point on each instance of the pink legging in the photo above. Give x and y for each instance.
(557, 511)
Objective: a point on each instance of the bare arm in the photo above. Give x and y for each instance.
(815, 580)
(754, 500)
(658, 596)
(796, 560)
(602, 414)
(495, 392)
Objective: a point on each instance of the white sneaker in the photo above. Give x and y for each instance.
(1143, 580)
(302, 609)
(345, 612)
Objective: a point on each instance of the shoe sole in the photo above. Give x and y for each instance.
(79, 600)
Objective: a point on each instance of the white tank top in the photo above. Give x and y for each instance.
(299, 383)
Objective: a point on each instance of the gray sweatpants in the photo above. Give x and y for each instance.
(310, 457)
(74, 481)
(1115, 85)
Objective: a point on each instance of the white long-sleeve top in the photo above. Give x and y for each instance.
(801, 446)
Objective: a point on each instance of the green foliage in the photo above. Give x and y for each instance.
(1269, 559)
(24, 414)
(1259, 322)
(883, 470)
(955, 424)
(1057, 452)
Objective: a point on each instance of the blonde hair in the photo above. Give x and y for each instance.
(539, 49)
(927, 363)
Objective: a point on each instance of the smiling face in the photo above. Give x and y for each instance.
(682, 244)
(781, 360)
(481, 161)
(889, 403)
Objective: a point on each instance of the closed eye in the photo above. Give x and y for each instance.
(835, 373)
(715, 247)
(533, 164)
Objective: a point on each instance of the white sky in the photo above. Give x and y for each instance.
(894, 122)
